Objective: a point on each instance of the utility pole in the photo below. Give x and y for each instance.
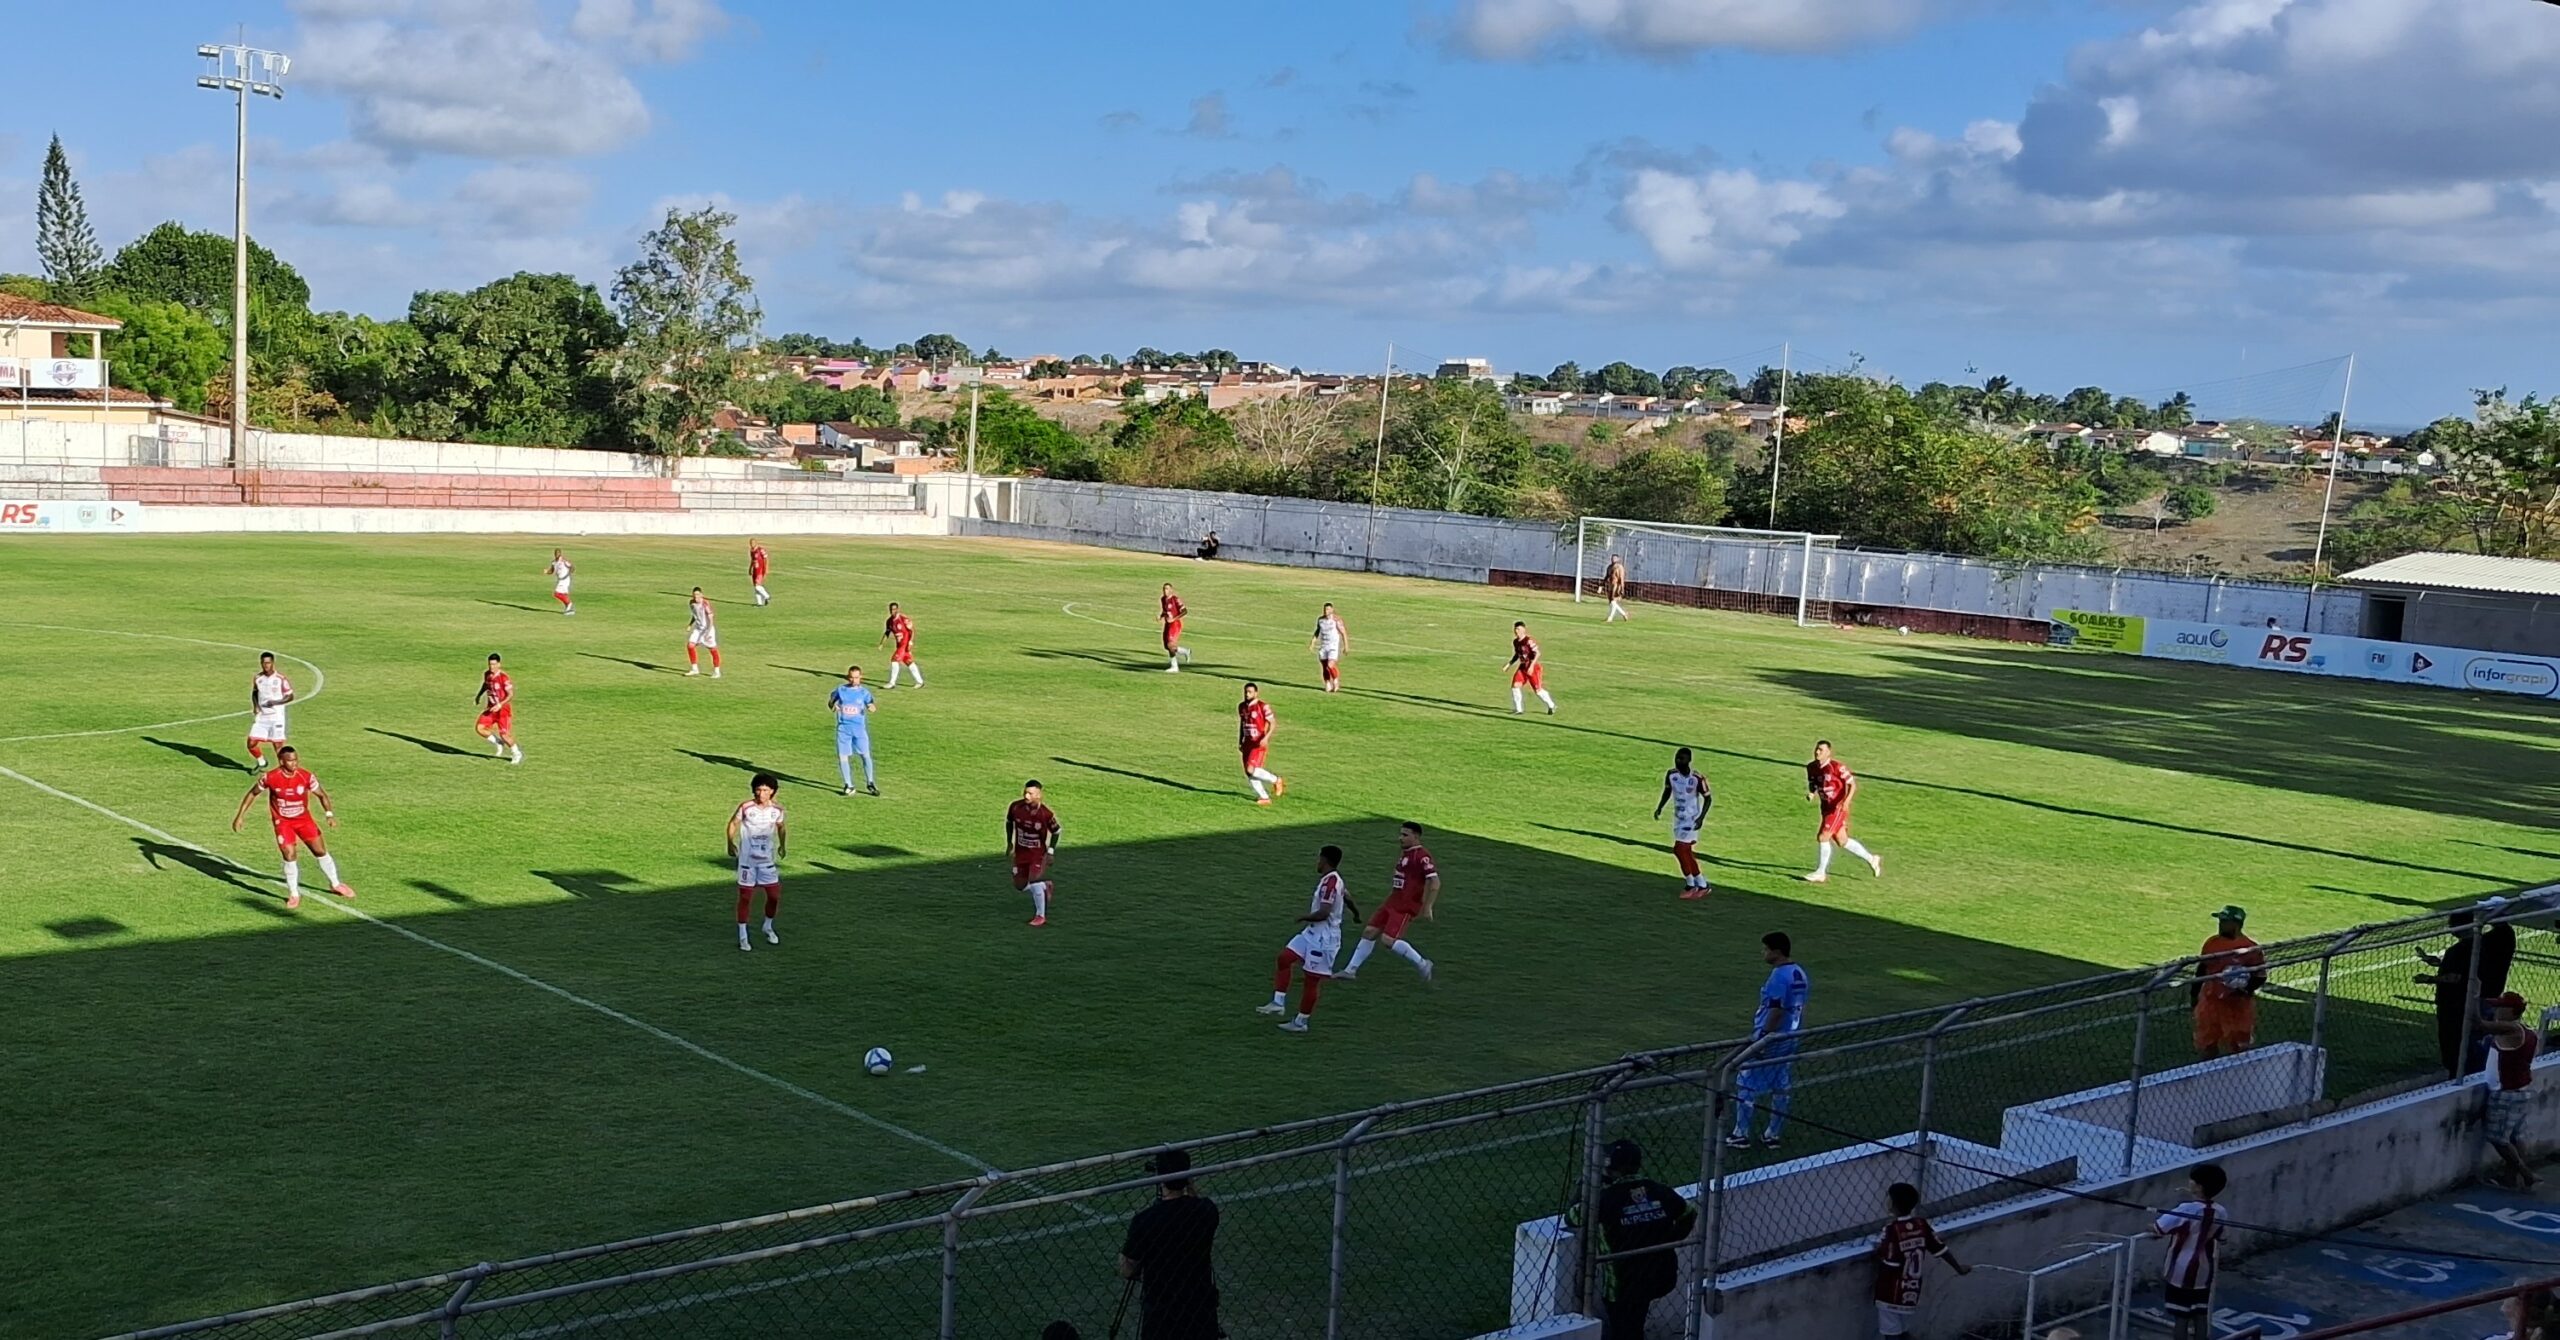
(2337, 448)
(241, 70)
(1378, 458)
(1778, 444)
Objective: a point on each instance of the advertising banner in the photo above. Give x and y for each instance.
(2099, 632)
(24, 518)
(2351, 658)
(65, 374)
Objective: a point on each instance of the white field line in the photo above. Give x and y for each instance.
(807, 1095)
(318, 682)
(1009, 1239)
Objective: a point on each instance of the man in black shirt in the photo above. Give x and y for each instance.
(2455, 978)
(1637, 1212)
(1167, 1252)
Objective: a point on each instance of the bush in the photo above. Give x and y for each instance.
(2190, 502)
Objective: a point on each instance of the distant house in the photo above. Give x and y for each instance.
(799, 434)
(41, 376)
(2058, 434)
(1540, 404)
(1465, 370)
(866, 447)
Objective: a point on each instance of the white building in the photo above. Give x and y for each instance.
(1466, 370)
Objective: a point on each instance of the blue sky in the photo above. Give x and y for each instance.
(2141, 195)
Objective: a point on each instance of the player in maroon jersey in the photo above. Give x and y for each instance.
(1527, 670)
(1253, 739)
(291, 790)
(1169, 610)
(497, 698)
(1829, 783)
(900, 633)
(1031, 834)
(1905, 1246)
(757, 566)
(1413, 892)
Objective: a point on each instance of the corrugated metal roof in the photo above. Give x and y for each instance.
(2466, 572)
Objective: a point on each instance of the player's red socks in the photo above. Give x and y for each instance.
(692, 657)
(746, 901)
(1688, 855)
(561, 596)
(1289, 960)
(715, 658)
(772, 902)
(255, 753)
(1307, 993)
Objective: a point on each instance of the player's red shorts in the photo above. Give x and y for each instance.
(904, 655)
(1172, 633)
(302, 828)
(1394, 915)
(502, 718)
(1835, 825)
(1253, 756)
(1535, 676)
(1029, 867)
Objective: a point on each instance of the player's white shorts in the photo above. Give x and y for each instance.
(267, 726)
(703, 637)
(1328, 651)
(1681, 832)
(560, 587)
(758, 874)
(1318, 948)
(1891, 1320)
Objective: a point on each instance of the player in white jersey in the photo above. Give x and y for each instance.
(1686, 791)
(1328, 642)
(559, 569)
(1315, 946)
(268, 694)
(757, 837)
(703, 636)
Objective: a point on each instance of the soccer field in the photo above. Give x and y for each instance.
(533, 1027)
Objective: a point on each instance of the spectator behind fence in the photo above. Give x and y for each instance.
(1637, 1213)
(1167, 1252)
(1208, 546)
(2529, 1316)
(2194, 1231)
(2497, 951)
(2229, 971)
(2512, 1046)
(2455, 991)
(1902, 1252)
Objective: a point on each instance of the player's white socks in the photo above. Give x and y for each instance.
(496, 745)
(1616, 612)
(1280, 1001)
(1260, 792)
(292, 878)
(1516, 704)
(1863, 854)
(1404, 950)
(894, 668)
(329, 870)
(762, 598)
(1550, 702)
(914, 672)
(1360, 954)
(1822, 862)
(518, 750)
(1039, 898)
(1173, 664)
(768, 928)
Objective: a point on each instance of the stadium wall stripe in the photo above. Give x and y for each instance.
(807, 1095)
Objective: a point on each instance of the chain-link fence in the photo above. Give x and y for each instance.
(1459, 1214)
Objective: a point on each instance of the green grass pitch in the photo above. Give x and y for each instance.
(216, 1103)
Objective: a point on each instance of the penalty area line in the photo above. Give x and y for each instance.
(642, 1025)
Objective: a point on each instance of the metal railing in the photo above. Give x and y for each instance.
(1395, 1221)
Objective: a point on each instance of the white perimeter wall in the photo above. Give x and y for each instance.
(43, 442)
(436, 521)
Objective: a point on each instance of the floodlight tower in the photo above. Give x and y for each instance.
(241, 70)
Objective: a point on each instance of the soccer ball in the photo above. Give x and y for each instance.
(877, 1060)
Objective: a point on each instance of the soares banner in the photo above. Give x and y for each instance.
(2091, 631)
(2352, 658)
(20, 518)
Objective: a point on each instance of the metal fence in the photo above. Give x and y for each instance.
(1418, 1218)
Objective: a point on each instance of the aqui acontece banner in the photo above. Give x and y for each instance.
(32, 517)
(2350, 657)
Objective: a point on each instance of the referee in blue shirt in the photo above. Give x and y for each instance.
(1769, 1082)
(852, 705)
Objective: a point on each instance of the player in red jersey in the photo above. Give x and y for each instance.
(1170, 609)
(290, 791)
(1414, 891)
(757, 566)
(1314, 947)
(1527, 670)
(1907, 1243)
(1031, 834)
(268, 694)
(497, 699)
(1253, 740)
(900, 631)
(1829, 783)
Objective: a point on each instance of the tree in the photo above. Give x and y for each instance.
(366, 364)
(1050, 367)
(1288, 432)
(1657, 484)
(2089, 405)
(1220, 360)
(1170, 443)
(171, 263)
(164, 350)
(1149, 356)
(688, 314)
(1621, 379)
(2189, 502)
(31, 287)
(1454, 447)
(1014, 439)
(1566, 376)
(520, 360)
(941, 350)
(2175, 412)
(2505, 473)
(64, 243)
(1600, 433)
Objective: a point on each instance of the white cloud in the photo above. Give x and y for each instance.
(1516, 29)
(1721, 219)
(492, 78)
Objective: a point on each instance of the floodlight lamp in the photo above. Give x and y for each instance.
(209, 53)
(207, 81)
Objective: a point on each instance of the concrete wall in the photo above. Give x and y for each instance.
(2524, 625)
(430, 521)
(1304, 533)
(40, 441)
(2307, 1178)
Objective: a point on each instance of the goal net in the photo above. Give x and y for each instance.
(1786, 572)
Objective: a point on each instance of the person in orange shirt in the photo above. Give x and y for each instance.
(2230, 969)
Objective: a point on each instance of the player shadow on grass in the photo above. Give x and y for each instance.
(1111, 659)
(588, 883)
(625, 660)
(1658, 848)
(208, 757)
(431, 746)
(742, 765)
(512, 605)
(1138, 776)
(155, 853)
(804, 670)
(446, 892)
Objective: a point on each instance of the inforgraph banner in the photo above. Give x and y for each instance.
(2351, 658)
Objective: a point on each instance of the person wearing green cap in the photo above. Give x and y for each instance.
(2229, 971)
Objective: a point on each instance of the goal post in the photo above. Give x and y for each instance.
(1785, 572)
